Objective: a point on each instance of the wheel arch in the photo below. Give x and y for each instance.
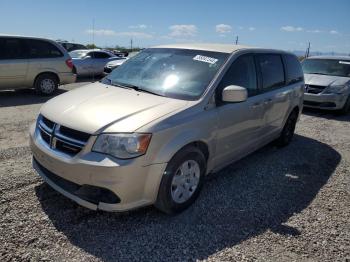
(47, 72)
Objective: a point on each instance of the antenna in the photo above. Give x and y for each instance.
(93, 44)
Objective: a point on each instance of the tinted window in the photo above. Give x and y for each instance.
(272, 71)
(241, 73)
(11, 48)
(42, 49)
(293, 68)
(99, 55)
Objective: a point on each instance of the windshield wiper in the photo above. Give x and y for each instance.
(136, 88)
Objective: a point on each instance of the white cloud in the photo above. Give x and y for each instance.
(240, 27)
(334, 32)
(251, 28)
(183, 30)
(289, 28)
(223, 29)
(101, 32)
(107, 32)
(141, 26)
(316, 31)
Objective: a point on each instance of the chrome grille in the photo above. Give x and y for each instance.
(61, 138)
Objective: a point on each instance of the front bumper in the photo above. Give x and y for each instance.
(131, 181)
(325, 101)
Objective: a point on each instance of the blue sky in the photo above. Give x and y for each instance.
(280, 24)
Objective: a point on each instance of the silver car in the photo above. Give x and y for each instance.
(151, 130)
(327, 83)
(34, 62)
(91, 62)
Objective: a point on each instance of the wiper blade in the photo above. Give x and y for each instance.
(136, 88)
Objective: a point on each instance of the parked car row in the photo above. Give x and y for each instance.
(44, 64)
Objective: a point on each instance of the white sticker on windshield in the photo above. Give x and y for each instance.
(205, 59)
(344, 62)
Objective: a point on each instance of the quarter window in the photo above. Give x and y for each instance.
(293, 68)
(42, 49)
(241, 73)
(272, 71)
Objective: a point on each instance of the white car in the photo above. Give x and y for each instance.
(114, 64)
(91, 62)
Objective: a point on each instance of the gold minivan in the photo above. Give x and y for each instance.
(150, 131)
(34, 62)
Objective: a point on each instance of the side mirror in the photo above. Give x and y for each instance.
(87, 57)
(234, 94)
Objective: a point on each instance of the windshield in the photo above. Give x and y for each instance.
(78, 54)
(176, 73)
(327, 67)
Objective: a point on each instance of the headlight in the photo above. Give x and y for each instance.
(122, 145)
(335, 89)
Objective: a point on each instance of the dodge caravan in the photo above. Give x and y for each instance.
(150, 131)
(34, 62)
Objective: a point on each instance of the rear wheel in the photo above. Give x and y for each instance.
(288, 130)
(46, 84)
(182, 180)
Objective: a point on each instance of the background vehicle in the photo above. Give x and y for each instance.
(71, 46)
(327, 82)
(34, 62)
(91, 62)
(110, 66)
(151, 130)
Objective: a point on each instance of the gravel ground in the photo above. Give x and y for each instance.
(289, 204)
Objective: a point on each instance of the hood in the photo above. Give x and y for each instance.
(325, 80)
(98, 107)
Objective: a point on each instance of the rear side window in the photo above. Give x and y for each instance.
(294, 71)
(11, 48)
(272, 71)
(241, 73)
(42, 49)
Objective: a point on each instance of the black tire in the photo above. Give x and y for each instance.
(288, 130)
(165, 201)
(46, 84)
(346, 107)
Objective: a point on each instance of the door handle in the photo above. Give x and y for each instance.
(255, 105)
(268, 101)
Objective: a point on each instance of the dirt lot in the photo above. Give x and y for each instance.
(289, 204)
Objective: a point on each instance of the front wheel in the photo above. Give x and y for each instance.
(288, 130)
(182, 180)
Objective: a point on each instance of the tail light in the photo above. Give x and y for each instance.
(69, 63)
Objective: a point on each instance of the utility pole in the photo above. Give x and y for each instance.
(237, 40)
(307, 53)
(131, 45)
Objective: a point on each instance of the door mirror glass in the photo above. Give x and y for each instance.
(234, 94)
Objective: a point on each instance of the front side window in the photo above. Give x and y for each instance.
(176, 73)
(242, 73)
(272, 71)
(42, 49)
(11, 48)
(99, 55)
(78, 53)
(332, 67)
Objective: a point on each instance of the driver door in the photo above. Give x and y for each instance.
(240, 124)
